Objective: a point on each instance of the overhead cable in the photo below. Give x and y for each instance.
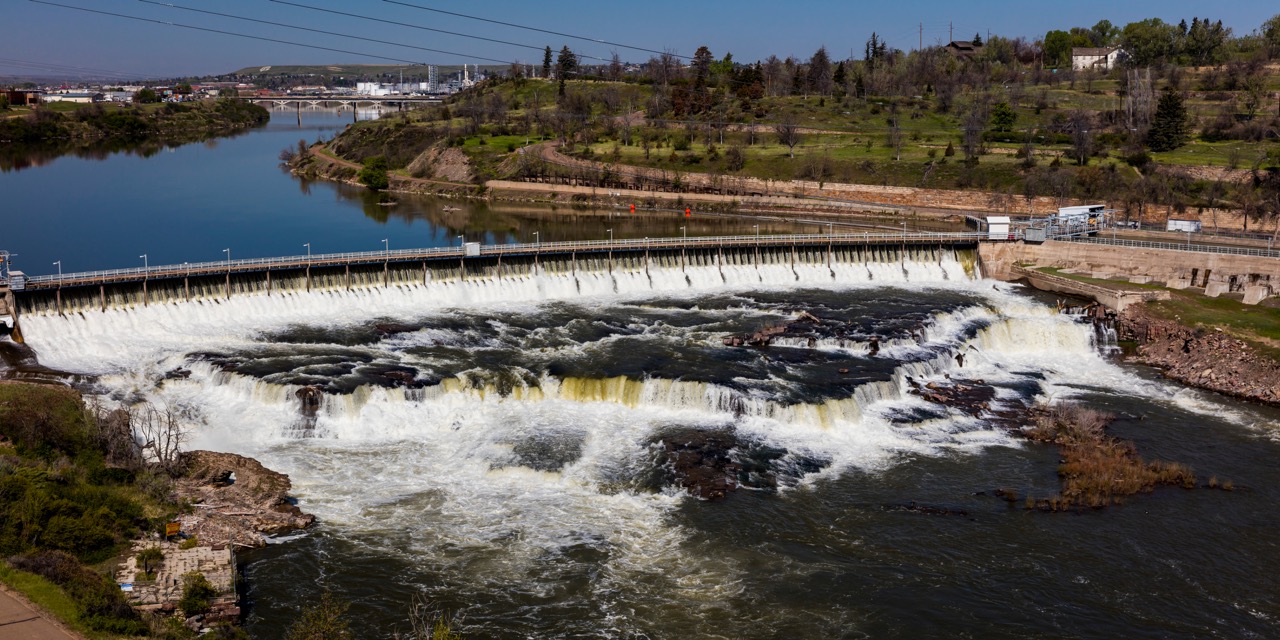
(526, 27)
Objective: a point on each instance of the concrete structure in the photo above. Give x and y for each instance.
(78, 97)
(1116, 297)
(1101, 58)
(1252, 277)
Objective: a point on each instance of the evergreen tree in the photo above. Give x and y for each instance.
(546, 62)
(977, 39)
(566, 63)
(1169, 124)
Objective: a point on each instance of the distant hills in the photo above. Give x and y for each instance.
(352, 70)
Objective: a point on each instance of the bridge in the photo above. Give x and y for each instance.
(342, 100)
(534, 250)
(175, 283)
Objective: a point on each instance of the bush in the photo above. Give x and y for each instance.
(197, 591)
(102, 605)
(734, 158)
(324, 620)
(374, 173)
(1138, 160)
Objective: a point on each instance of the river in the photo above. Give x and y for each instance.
(522, 479)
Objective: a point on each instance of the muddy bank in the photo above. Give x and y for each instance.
(1206, 358)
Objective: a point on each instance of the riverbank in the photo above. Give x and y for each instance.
(1203, 356)
(38, 137)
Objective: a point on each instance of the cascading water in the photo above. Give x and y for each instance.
(506, 434)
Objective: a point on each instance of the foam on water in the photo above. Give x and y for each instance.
(442, 475)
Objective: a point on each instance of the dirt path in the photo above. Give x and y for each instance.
(322, 151)
(21, 620)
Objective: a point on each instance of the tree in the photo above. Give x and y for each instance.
(1103, 33)
(1270, 31)
(146, 96)
(977, 40)
(1082, 136)
(1205, 42)
(1148, 42)
(1169, 124)
(788, 133)
(228, 92)
(1003, 117)
(1057, 48)
(324, 620)
(566, 63)
(162, 434)
(615, 67)
(875, 51)
(4, 102)
(701, 64)
(546, 62)
(820, 72)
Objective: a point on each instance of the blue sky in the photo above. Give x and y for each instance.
(750, 29)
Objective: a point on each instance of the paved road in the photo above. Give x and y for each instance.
(19, 620)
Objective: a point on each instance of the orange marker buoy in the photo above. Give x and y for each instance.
(633, 208)
(688, 212)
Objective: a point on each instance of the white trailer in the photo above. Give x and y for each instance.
(1186, 226)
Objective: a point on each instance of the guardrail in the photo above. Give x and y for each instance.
(535, 248)
(1170, 246)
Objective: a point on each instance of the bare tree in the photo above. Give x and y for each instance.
(161, 432)
(615, 67)
(788, 133)
(894, 138)
(1083, 135)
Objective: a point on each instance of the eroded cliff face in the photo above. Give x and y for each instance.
(1206, 358)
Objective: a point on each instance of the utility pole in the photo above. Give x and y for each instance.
(921, 38)
(951, 31)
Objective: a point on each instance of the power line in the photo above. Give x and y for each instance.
(330, 33)
(238, 35)
(521, 26)
(415, 26)
(50, 66)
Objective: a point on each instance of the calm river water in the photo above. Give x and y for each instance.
(522, 479)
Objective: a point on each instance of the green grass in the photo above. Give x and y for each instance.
(1112, 284)
(1247, 321)
(50, 598)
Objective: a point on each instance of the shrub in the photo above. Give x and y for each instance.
(374, 173)
(197, 591)
(324, 620)
(102, 606)
(734, 158)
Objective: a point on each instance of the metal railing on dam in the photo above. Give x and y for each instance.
(392, 256)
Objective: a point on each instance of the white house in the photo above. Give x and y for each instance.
(1103, 58)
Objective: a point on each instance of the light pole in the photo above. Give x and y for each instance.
(58, 264)
(685, 231)
(757, 227)
(228, 252)
(610, 236)
(537, 240)
(386, 247)
(460, 241)
(308, 246)
(145, 265)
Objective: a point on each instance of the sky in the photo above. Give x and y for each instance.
(57, 38)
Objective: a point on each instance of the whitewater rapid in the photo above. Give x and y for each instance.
(484, 475)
